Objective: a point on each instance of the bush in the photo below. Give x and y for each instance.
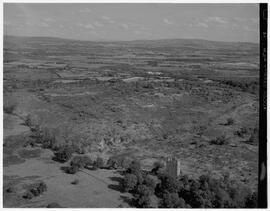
(241, 132)
(72, 169)
(115, 162)
(31, 120)
(28, 195)
(130, 182)
(81, 161)
(63, 154)
(220, 140)
(35, 190)
(230, 121)
(134, 167)
(75, 182)
(157, 166)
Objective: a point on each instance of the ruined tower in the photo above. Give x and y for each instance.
(173, 166)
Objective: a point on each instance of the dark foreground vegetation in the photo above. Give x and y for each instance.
(164, 191)
(157, 189)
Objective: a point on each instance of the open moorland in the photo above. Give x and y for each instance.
(195, 100)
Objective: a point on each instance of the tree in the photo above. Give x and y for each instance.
(150, 182)
(81, 161)
(130, 182)
(112, 163)
(157, 166)
(143, 196)
(63, 154)
(167, 184)
(172, 200)
(134, 167)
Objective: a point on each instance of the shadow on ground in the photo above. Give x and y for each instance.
(117, 187)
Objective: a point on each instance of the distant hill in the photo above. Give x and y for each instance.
(164, 43)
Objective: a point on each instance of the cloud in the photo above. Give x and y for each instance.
(44, 24)
(167, 22)
(216, 19)
(202, 24)
(123, 25)
(48, 20)
(89, 26)
(86, 26)
(137, 32)
(108, 19)
(85, 10)
(98, 24)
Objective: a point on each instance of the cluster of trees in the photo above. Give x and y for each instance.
(158, 189)
(116, 162)
(219, 140)
(246, 86)
(81, 162)
(35, 190)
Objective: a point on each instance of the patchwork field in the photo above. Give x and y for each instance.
(195, 100)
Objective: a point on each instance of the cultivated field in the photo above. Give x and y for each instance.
(196, 100)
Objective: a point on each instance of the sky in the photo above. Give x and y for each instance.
(219, 22)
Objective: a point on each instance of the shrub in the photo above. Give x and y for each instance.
(125, 162)
(230, 121)
(220, 140)
(10, 189)
(48, 138)
(134, 167)
(63, 154)
(241, 132)
(130, 182)
(72, 169)
(112, 163)
(81, 161)
(157, 166)
(28, 195)
(75, 182)
(115, 162)
(35, 190)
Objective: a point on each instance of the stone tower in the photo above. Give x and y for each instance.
(173, 166)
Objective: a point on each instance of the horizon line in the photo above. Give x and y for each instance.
(105, 40)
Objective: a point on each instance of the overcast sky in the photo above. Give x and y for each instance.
(222, 22)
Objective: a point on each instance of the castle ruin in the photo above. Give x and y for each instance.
(173, 166)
